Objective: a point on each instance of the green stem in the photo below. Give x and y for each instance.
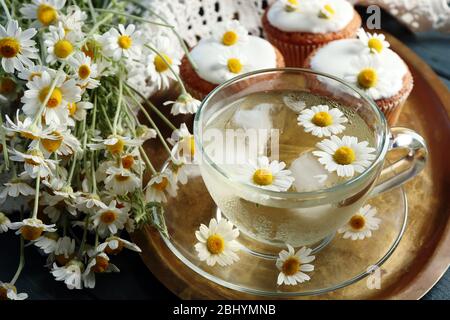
(147, 160)
(134, 17)
(5, 7)
(152, 106)
(5, 147)
(119, 106)
(36, 196)
(92, 10)
(183, 89)
(83, 240)
(105, 115)
(96, 26)
(22, 256)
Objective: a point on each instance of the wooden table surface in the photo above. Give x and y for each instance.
(135, 281)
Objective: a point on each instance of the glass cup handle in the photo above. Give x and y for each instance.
(413, 156)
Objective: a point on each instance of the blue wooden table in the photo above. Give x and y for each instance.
(135, 281)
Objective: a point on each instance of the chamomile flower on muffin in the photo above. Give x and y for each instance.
(322, 121)
(297, 27)
(293, 265)
(345, 156)
(217, 243)
(369, 64)
(17, 47)
(361, 224)
(228, 53)
(266, 174)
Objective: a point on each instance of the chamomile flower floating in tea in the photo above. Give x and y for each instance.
(56, 109)
(217, 243)
(114, 245)
(4, 222)
(269, 175)
(293, 265)
(345, 156)
(16, 47)
(70, 273)
(60, 46)
(361, 224)
(232, 63)
(231, 33)
(9, 292)
(43, 12)
(159, 185)
(322, 121)
(31, 228)
(374, 42)
(15, 188)
(126, 42)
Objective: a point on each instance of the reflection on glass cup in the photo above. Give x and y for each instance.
(270, 219)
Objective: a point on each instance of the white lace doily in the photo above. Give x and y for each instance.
(195, 19)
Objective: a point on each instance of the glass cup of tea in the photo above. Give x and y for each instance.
(254, 118)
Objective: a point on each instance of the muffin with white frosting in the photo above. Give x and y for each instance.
(229, 52)
(297, 27)
(368, 64)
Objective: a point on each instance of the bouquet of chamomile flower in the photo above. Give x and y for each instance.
(72, 80)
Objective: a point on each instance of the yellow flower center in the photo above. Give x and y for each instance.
(117, 147)
(7, 85)
(322, 119)
(63, 48)
(108, 217)
(121, 178)
(375, 44)
(9, 47)
(55, 97)
(357, 222)
(28, 135)
(51, 145)
(101, 264)
(128, 161)
(31, 233)
(263, 177)
(229, 38)
(215, 244)
(125, 42)
(291, 5)
(234, 65)
(291, 266)
(327, 12)
(33, 75)
(84, 71)
(72, 108)
(162, 65)
(344, 155)
(161, 186)
(46, 14)
(367, 78)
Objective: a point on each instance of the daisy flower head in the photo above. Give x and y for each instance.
(15, 188)
(73, 20)
(217, 243)
(232, 63)
(131, 161)
(97, 264)
(110, 220)
(60, 46)
(327, 11)
(35, 163)
(89, 202)
(269, 175)
(56, 109)
(32, 228)
(29, 73)
(374, 43)
(293, 265)
(145, 133)
(184, 142)
(125, 42)
(85, 71)
(44, 12)
(361, 224)
(47, 242)
(70, 273)
(161, 67)
(78, 111)
(231, 33)
(121, 181)
(115, 144)
(321, 121)
(16, 47)
(26, 128)
(159, 184)
(184, 104)
(59, 141)
(4, 222)
(367, 74)
(114, 245)
(64, 250)
(345, 155)
(9, 292)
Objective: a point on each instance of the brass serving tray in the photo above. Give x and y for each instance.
(423, 254)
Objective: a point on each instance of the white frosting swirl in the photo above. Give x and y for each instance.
(339, 57)
(307, 19)
(208, 53)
